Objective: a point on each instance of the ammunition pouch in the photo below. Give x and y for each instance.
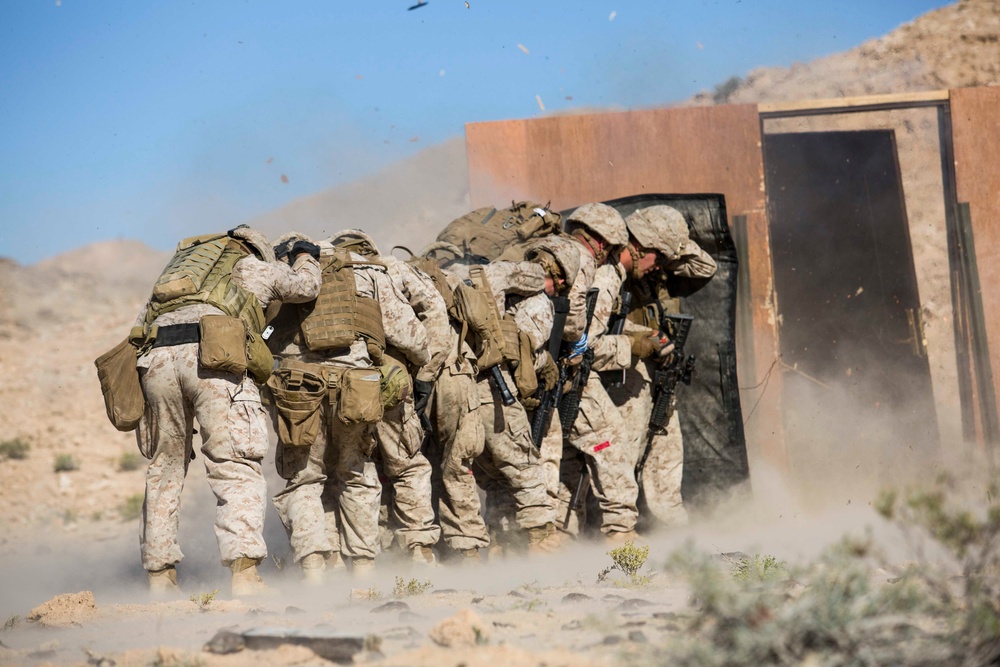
(394, 385)
(298, 397)
(119, 377)
(260, 361)
(477, 312)
(511, 340)
(524, 373)
(223, 345)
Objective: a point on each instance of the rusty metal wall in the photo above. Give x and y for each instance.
(570, 160)
(975, 117)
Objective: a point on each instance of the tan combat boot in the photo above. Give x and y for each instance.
(334, 562)
(471, 556)
(543, 539)
(314, 569)
(422, 555)
(619, 538)
(163, 583)
(246, 582)
(362, 568)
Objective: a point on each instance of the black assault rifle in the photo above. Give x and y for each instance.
(677, 368)
(549, 398)
(616, 326)
(569, 406)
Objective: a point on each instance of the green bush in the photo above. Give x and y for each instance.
(405, 588)
(131, 507)
(759, 568)
(14, 449)
(65, 463)
(130, 461)
(628, 559)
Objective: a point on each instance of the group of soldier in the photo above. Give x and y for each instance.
(403, 392)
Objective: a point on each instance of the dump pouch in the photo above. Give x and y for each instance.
(394, 384)
(119, 377)
(524, 375)
(360, 396)
(511, 339)
(223, 345)
(298, 398)
(477, 312)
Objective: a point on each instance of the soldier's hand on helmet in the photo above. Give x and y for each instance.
(548, 374)
(306, 247)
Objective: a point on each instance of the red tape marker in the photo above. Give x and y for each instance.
(603, 445)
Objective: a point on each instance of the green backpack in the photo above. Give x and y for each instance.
(487, 232)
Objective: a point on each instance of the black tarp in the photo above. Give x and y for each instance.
(715, 453)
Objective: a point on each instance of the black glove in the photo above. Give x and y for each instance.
(304, 247)
(421, 394)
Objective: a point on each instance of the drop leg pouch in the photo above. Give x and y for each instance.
(298, 398)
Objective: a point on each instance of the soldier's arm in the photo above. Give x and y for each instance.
(692, 262)
(430, 307)
(403, 330)
(522, 278)
(271, 281)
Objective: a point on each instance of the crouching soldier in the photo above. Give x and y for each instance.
(199, 337)
(328, 398)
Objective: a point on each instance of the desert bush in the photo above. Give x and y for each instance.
(758, 568)
(131, 507)
(203, 600)
(129, 461)
(405, 588)
(65, 463)
(628, 559)
(834, 613)
(14, 449)
(11, 623)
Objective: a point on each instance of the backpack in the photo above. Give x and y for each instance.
(487, 232)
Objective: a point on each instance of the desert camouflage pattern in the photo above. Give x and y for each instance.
(610, 352)
(576, 320)
(602, 219)
(420, 292)
(661, 476)
(691, 262)
(344, 450)
(399, 437)
(599, 434)
(231, 421)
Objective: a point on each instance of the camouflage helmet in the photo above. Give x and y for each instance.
(565, 253)
(600, 219)
(661, 228)
(355, 240)
(284, 243)
(256, 240)
(442, 252)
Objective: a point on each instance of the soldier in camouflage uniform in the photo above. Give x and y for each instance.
(596, 433)
(661, 228)
(227, 405)
(470, 418)
(400, 435)
(376, 315)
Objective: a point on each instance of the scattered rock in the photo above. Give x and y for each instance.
(572, 625)
(401, 634)
(667, 615)
(518, 594)
(338, 647)
(465, 628)
(610, 640)
(65, 611)
(294, 610)
(225, 642)
(576, 597)
(477, 600)
(395, 605)
(635, 603)
(637, 636)
(611, 597)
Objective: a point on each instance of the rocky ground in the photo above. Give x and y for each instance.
(69, 488)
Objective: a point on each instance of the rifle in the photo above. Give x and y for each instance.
(616, 325)
(549, 398)
(569, 407)
(677, 368)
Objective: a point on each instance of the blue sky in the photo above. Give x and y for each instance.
(136, 119)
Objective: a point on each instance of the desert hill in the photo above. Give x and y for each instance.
(57, 316)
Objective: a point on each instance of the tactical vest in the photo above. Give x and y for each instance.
(201, 272)
(430, 267)
(487, 232)
(338, 316)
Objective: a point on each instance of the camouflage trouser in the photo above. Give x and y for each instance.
(471, 419)
(399, 437)
(598, 433)
(662, 473)
(352, 498)
(459, 439)
(233, 427)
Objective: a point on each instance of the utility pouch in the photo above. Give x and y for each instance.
(511, 340)
(395, 383)
(524, 375)
(223, 345)
(123, 397)
(260, 361)
(298, 397)
(360, 396)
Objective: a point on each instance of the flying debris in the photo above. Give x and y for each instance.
(420, 3)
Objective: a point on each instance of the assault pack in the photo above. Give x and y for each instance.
(483, 234)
